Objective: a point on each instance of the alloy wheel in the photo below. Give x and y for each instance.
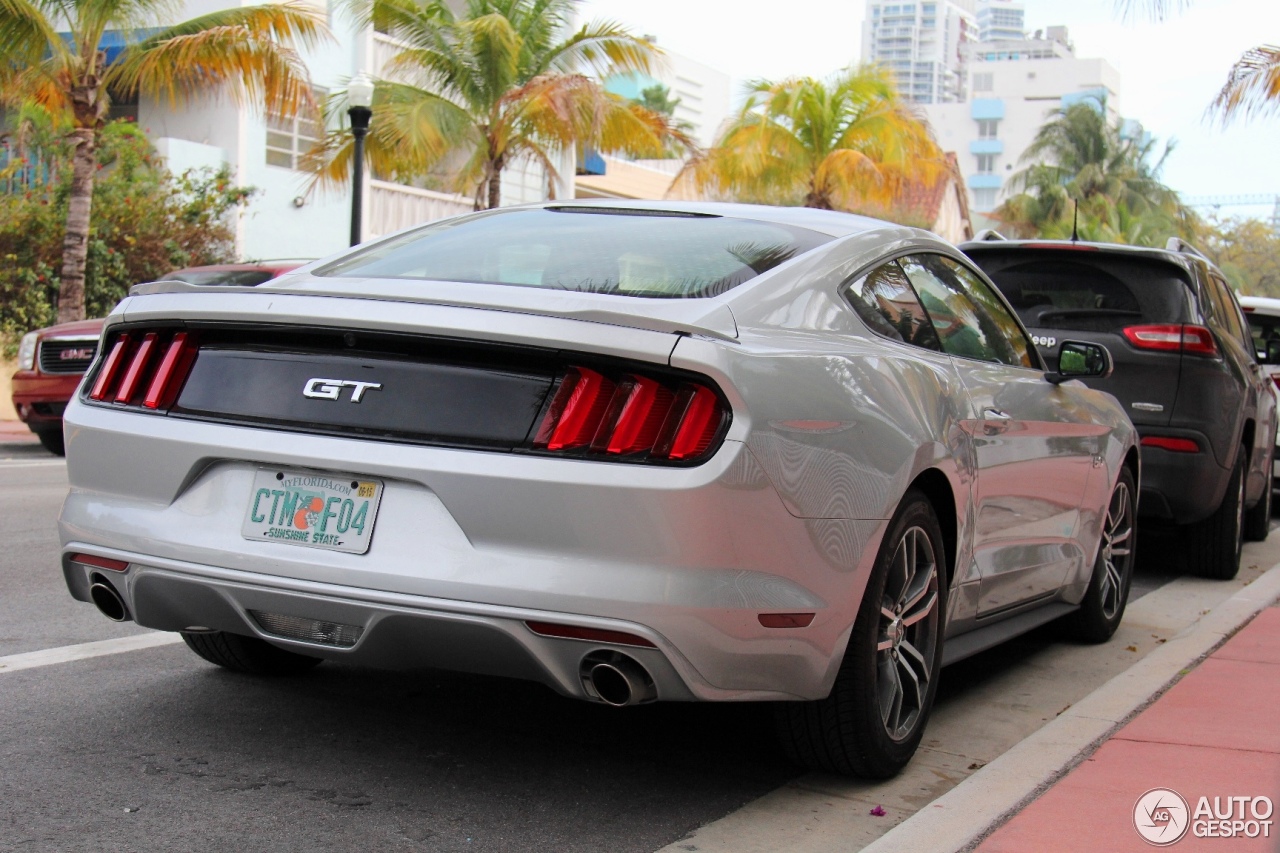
(908, 633)
(1117, 549)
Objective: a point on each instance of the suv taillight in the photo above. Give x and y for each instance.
(1173, 337)
(630, 415)
(145, 368)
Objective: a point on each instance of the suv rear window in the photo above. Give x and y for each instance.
(587, 249)
(1103, 293)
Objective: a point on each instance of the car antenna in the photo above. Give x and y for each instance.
(1075, 223)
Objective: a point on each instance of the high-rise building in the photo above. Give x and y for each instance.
(1000, 20)
(1015, 85)
(920, 42)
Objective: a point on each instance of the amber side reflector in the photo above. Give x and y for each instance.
(100, 562)
(786, 620)
(598, 635)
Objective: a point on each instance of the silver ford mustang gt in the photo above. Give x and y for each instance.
(634, 451)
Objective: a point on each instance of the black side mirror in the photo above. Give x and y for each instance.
(1081, 360)
(1273, 352)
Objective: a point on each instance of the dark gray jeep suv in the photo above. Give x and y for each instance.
(1185, 370)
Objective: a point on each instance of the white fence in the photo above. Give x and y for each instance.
(392, 207)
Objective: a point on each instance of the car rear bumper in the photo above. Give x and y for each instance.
(468, 547)
(1182, 488)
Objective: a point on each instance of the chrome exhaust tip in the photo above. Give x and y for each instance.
(616, 679)
(107, 600)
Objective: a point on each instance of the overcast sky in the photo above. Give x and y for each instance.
(1169, 71)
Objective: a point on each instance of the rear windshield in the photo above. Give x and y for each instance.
(591, 250)
(1096, 293)
(241, 278)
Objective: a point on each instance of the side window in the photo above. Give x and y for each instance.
(963, 327)
(989, 302)
(885, 301)
(1231, 311)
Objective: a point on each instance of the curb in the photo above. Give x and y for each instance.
(966, 814)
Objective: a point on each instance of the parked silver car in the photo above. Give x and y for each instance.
(634, 451)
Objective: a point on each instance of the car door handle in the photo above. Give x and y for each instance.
(994, 421)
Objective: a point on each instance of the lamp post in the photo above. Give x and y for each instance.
(359, 99)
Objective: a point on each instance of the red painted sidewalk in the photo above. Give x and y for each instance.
(1214, 734)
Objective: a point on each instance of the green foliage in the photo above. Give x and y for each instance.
(146, 223)
(1247, 251)
(839, 144)
(658, 98)
(1086, 174)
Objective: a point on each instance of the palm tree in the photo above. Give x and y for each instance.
(245, 52)
(1079, 158)
(499, 83)
(830, 145)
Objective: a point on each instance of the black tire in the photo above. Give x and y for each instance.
(1214, 544)
(52, 441)
(1257, 519)
(872, 722)
(247, 654)
(1103, 604)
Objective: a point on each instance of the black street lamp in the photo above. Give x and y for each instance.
(359, 99)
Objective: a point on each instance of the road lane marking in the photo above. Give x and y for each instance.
(32, 463)
(83, 651)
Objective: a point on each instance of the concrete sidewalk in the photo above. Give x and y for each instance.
(1199, 717)
(16, 432)
(1168, 776)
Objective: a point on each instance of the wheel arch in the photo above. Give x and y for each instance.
(937, 489)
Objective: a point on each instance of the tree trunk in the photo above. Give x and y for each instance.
(75, 245)
(88, 107)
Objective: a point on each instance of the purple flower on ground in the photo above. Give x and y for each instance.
(878, 811)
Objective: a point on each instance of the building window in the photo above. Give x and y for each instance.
(289, 139)
(984, 199)
(986, 164)
(987, 128)
(983, 82)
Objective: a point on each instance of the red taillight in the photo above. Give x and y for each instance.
(173, 370)
(786, 620)
(598, 635)
(576, 410)
(150, 373)
(1275, 377)
(99, 562)
(1173, 337)
(691, 425)
(1166, 442)
(111, 368)
(635, 416)
(133, 376)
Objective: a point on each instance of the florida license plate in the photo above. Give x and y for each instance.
(330, 511)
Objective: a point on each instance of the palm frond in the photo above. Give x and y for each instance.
(244, 52)
(1252, 89)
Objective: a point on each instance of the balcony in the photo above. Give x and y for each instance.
(986, 146)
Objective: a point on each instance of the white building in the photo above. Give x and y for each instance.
(920, 42)
(1015, 86)
(1000, 20)
(287, 219)
(701, 92)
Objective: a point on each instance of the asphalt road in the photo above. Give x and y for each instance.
(157, 750)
